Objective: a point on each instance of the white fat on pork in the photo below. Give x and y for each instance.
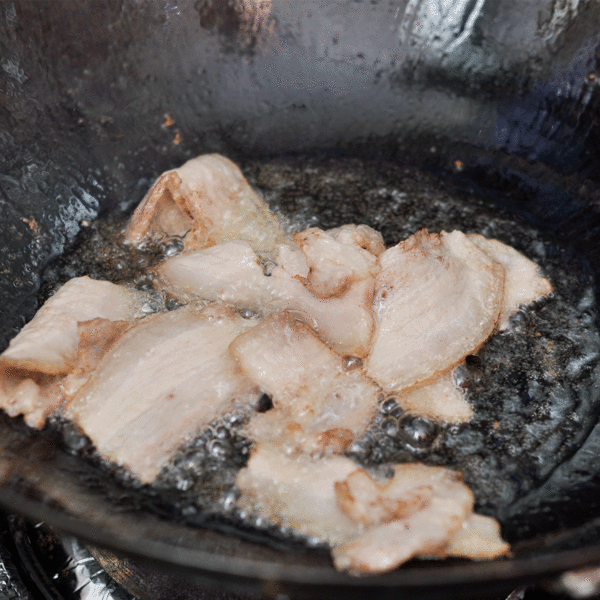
(48, 343)
(317, 404)
(479, 538)
(231, 272)
(440, 399)
(523, 283)
(60, 345)
(362, 236)
(333, 265)
(209, 201)
(298, 491)
(437, 299)
(373, 525)
(166, 378)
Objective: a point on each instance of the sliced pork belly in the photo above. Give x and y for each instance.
(420, 509)
(297, 491)
(317, 404)
(440, 399)
(523, 283)
(333, 265)
(437, 299)
(210, 202)
(362, 236)
(479, 538)
(164, 379)
(48, 343)
(59, 345)
(374, 526)
(230, 272)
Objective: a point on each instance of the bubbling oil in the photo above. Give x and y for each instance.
(532, 387)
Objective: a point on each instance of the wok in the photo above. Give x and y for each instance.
(500, 96)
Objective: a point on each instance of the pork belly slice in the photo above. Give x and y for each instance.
(437, 299)
(210, 202)
(35, 395)
(418, 510)
(362, 236)
(164, 379)
(523, 283)
(440, 399)
(298, 491)
(333, 265)
(373, 525)
(479, 538)
(48, 343)
(231, 272)
(317, 405)
(61, 344)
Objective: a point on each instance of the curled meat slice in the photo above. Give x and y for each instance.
(296, 490)
(478, 538)
(318, 405)
(439, 399)
(55, 348)
(189, 378)
(523, 283)
(420, 509)
(374, 526)
(230, 272)
(437, 299)
(210, 202)
(48, 343)
(334, 265)
(365, 501)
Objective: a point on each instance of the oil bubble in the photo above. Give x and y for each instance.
(417, 431)
(171, 247)
(349, 363)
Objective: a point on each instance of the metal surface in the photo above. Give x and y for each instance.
(504, 94)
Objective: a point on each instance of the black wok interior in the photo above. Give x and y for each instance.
(97, 99)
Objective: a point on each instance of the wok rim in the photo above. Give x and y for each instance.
(533, 566)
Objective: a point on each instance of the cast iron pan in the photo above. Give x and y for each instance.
(501, 97)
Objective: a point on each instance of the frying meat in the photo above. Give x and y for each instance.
(440, 399)
(478, 538)
(230, 272)
(523, 283)
(189, 378)
(297, 491)
(334, 266)
(317, 404)
(208, 201)
(61, 345)
(339, 320)
(373, 526)
(362, 236)
(48, 343)
(437, 299)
